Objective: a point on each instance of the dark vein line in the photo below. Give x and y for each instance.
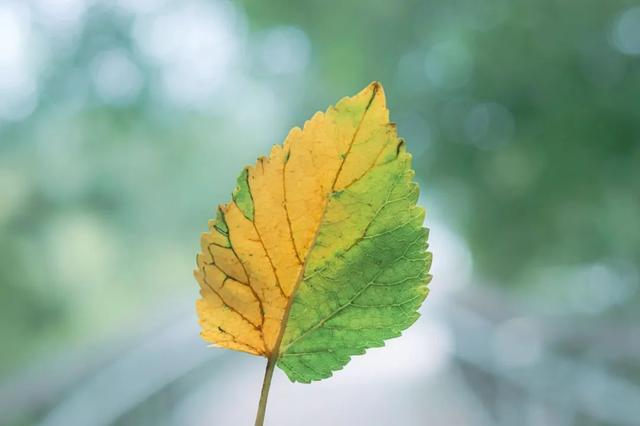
(376, 87)
(222, 285)
(217, 293)
(253, 290)
(322, 352)
(295, 370)
(384, 204)
(389, 305)
(221, 232)
(388, 231)
(273, 268)
(397, 283)
(308, 367)
(286, 210)
(218, 245)
(213, 263)
(308, 353)
(373, 166)
(386, 327)
(234, 340)
(253, 222)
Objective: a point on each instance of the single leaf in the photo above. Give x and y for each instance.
(321, 254)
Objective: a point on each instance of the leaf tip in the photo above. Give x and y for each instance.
(375, 86)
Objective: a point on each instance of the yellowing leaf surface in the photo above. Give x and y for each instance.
(321, 253)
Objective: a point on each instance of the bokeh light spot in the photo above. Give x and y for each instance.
(285, 50)
(626, 32)
(116, 78)
(18, 85)
(448, 65)
(489, 125)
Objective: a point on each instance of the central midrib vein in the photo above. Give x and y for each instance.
(275, 353)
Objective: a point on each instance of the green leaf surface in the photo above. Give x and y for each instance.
(365, 279)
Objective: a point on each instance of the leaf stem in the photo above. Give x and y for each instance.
(264, 394)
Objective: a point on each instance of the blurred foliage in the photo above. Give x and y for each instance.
(564, 187)
(523, 118)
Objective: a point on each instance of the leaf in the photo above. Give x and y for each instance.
(321, 254)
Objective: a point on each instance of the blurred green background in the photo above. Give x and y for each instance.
(124, 123)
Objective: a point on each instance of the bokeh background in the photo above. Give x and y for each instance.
(124, 123)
